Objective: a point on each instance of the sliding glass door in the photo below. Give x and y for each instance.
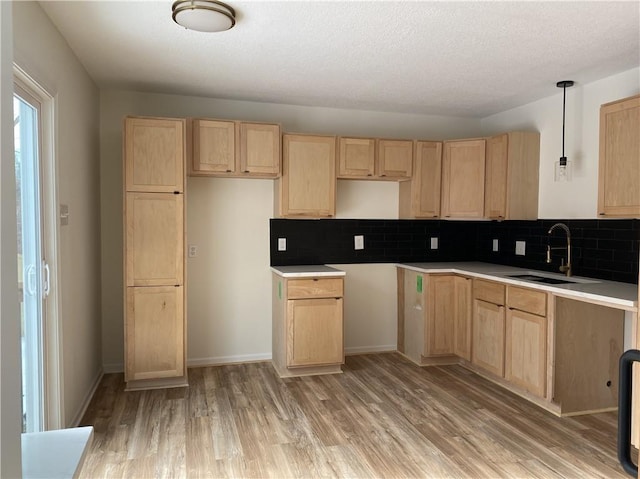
(33, 277)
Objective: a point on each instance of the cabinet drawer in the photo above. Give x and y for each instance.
(315, 288)
(488, 291)
(527, 300)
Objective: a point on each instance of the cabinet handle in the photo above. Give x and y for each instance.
(176, 192)
(601, 214)
(369, 174)
(246, 171)
(383, 175)
(229, 171)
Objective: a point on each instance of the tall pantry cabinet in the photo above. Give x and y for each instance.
(154, 271)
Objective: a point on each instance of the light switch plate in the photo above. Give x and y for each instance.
(521, 247)
(358, 242)
(193, 251)
(495, 245)
(282, 244)
(64, 215)
(434, 243)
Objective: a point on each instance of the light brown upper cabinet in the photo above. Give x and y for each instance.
(375, 159)
(154, 251)
(154, 149)
(232, 148)
(619, 171)
(395, 159)
(420, 197)
(512, 171)
(463, 169)
(356, 158)
(307, 187)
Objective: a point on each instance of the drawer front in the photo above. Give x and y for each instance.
(315, 288)
(527, 300)
(488, 291)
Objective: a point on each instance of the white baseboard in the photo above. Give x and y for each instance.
(87, 400)
(113, 368)
(388, 348)
(250, 358)
(218, 360)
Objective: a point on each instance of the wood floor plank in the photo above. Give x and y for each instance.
(383, 417)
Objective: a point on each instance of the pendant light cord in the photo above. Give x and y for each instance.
(564, 101)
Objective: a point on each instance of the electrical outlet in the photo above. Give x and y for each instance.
(282, 244)
(358, 242)
(521, 247)
(434, 243)
(193, 251)
(495, 245)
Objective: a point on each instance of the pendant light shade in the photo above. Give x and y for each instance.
(563, 166)
(203, 15)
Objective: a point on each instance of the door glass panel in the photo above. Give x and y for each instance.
(30, 263)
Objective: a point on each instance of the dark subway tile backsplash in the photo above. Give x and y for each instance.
(605, 249)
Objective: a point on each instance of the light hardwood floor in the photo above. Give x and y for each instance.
(384, 417)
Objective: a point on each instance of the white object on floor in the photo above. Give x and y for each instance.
(57, 454)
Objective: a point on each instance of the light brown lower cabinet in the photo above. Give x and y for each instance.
(308, 329)
(526, 339)
(155, 340)
(488, 326)
(314, 332)
(434, 317)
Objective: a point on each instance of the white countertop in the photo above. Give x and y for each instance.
(57, 454)
(620, 295)
(306, 271)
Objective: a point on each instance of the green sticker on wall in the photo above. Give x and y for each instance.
(419, 284)
(279, 289)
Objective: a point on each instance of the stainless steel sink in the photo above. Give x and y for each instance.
(540, 279)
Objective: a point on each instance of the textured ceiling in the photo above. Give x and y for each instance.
(468, 59)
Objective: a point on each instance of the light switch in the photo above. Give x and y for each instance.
(434, 243)
(495, 245)
(282, 244)
(64, 215)
(358, 242)
(520, 248)
(193, 251)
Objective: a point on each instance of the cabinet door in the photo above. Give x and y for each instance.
(462, 317)
(154, 154)
(314, 332)
(356, 157)
(427, 180)
(487, 350)
(154, 333)
(440, 316)
(395, 159)
(463, 179)
(308, 183)
(619, 170)
(260, 149)
(526, 351)
(214, 146)
(495, 198)
(154, 243)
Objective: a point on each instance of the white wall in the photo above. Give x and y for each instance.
(10, 407)
(229, 292)
(42, 52)
(578, 198)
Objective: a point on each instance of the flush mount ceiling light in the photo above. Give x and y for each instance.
(203, 15)
(563, 166)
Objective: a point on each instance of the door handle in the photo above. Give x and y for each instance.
(624, 411)
(46, 287)
(30, 277)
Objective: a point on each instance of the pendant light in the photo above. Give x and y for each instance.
(563, 166)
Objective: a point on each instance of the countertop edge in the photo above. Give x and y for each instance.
(622, 303)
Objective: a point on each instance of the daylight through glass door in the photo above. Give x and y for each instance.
(33, 281)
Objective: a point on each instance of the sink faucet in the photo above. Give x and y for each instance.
(564, 268)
